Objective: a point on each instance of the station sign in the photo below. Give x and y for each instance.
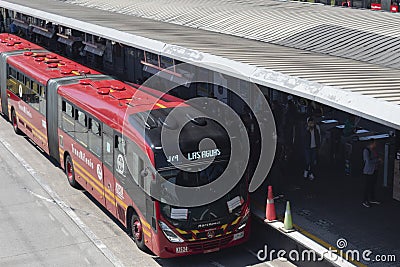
(203, 154)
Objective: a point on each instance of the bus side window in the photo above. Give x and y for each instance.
(27, 82)
(95, 137)
(108, 151)
(132, 161)
(120, 144)
(11, 84)
(81, 131)
(67, 118)
(33, 96)
(35, 88)
(42, 100)
(12, 72)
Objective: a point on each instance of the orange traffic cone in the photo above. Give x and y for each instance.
(270, 213)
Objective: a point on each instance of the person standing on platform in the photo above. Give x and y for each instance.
(312, 141)
(370, 173)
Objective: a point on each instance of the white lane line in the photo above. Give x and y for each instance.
(87, 261)
(64, 231)
(85, 229)
(217, 264)
(41, 197)
(252, 252)
(51, 217)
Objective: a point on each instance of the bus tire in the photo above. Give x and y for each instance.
(136, 230)
(14, 122)
(70, 172)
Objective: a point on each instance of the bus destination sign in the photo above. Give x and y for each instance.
(203, 154)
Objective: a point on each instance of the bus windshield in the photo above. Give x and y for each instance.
(216, 213)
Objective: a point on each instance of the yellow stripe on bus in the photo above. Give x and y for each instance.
(181, 231)
(30, 124)
(235, 221)
(87, 179)
(95, 187)
(91, 177)
(94, 179)
(146, 224)
(160, 106)
(61, 151)
(146, 232)
(101, 185)
(72, 122)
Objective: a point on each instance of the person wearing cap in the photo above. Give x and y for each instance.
(370, 173)
(312, 142)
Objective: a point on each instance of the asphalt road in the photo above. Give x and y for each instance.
(45, 222)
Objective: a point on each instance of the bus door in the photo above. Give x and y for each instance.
(108, 169)
(121, 174)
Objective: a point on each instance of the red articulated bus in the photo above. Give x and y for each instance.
(106, 135)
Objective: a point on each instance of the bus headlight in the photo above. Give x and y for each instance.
(169, 233)
(243, 221)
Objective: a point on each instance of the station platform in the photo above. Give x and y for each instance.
(329, 209)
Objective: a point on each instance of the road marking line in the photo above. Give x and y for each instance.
(41, 197)
(252, 253)
(64, 231)
(87, 261)
(55, 198)
(217, 264)
(51, 217)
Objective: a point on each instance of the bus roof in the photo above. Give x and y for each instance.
(43, 66)
(9, 42)
(109, 100)
(140, 113)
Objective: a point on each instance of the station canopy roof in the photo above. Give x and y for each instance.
(342, 57)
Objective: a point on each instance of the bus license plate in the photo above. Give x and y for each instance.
(238, 236)
(181, 249)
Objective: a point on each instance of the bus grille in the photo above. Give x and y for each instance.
(204, 234)
(212, 244)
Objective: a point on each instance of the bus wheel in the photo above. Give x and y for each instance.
(14, 122)
(137, 232)
(69, 171)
